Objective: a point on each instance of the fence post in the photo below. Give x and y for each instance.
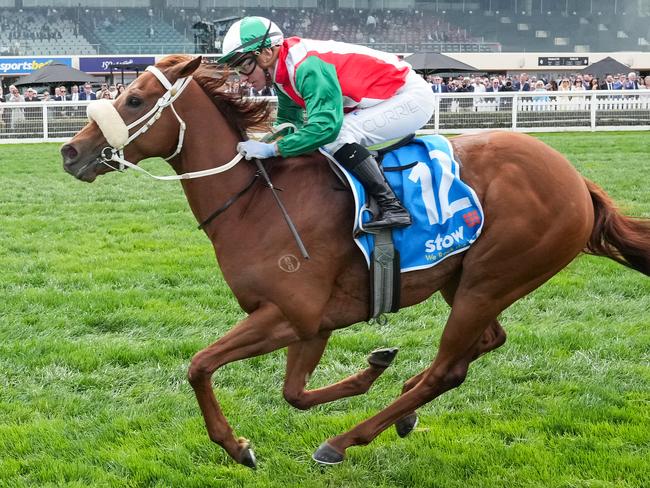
(45, 122)
(515, 102)
(593, 110)
(436, 113)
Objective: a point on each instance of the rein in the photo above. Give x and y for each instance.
(229, 202)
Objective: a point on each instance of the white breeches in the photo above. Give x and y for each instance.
(404, 113)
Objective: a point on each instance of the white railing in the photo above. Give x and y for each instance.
(455, 113)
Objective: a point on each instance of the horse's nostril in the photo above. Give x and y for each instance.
(69, 153)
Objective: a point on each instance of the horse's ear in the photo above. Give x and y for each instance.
(182, 70)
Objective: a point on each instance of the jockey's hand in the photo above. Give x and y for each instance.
(255, 149)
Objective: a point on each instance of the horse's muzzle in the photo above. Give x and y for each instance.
(81, 168)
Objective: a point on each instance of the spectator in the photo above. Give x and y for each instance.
(60, 95)
(577, 85)
(578, 102)
(17, 115)
(438, 86)
(88, 93)
(594, 84)
(32, 114)
(608, 84)
(631, 83)
(647, 82)
(495, 86)
(563, 101)
(63, 94)
(30, 95)
(74, 93)
(371, 23)
(104, 86)
(478, 85)
(619, 84)
(565, 85)
(540, 101)
(521, 84)
(105, 95)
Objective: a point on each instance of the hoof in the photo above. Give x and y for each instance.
(326, 455)
(381, 358)
(247, 456)
(405, 425)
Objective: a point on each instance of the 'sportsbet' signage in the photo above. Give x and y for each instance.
(24, 66)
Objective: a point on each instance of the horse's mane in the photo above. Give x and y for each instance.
(242, 115)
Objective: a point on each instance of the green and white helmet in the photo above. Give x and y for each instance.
(247, 35)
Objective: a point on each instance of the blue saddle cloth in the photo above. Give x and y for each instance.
(447, 215)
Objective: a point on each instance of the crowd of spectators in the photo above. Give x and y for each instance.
(14, 116)
(501, 83)
(540, 94)
(526, 83)
(540, 89)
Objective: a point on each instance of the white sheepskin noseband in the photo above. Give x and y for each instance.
(109, 121)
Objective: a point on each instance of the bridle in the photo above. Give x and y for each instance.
(173, 92)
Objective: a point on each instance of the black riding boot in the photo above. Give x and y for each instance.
(358, 160)
(393, 214)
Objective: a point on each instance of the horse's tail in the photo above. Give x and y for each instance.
(623, 239)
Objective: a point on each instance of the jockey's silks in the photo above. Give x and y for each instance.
(328, 79)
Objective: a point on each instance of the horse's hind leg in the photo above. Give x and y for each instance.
(469, 318)
(302, 359)
(493, 337)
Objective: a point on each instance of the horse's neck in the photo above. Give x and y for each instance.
(210, 142)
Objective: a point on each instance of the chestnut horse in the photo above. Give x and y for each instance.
(539, 215)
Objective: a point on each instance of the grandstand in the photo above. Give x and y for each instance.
(135, 31)
(41, 32)
(41, 27)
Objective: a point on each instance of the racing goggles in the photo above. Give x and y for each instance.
(245, 65)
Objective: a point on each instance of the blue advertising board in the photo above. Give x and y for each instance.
(103, 64)
(24, 66)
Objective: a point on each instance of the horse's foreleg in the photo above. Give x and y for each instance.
(263, 331)
(302, 359)
(458, 345)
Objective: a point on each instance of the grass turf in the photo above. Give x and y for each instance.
(108, 290)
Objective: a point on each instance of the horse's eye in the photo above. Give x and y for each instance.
(134, 102)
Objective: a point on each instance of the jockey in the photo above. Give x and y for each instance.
(354, 96)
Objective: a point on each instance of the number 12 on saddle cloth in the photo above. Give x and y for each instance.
(447, 215)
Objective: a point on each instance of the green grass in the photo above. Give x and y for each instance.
(108, 290)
